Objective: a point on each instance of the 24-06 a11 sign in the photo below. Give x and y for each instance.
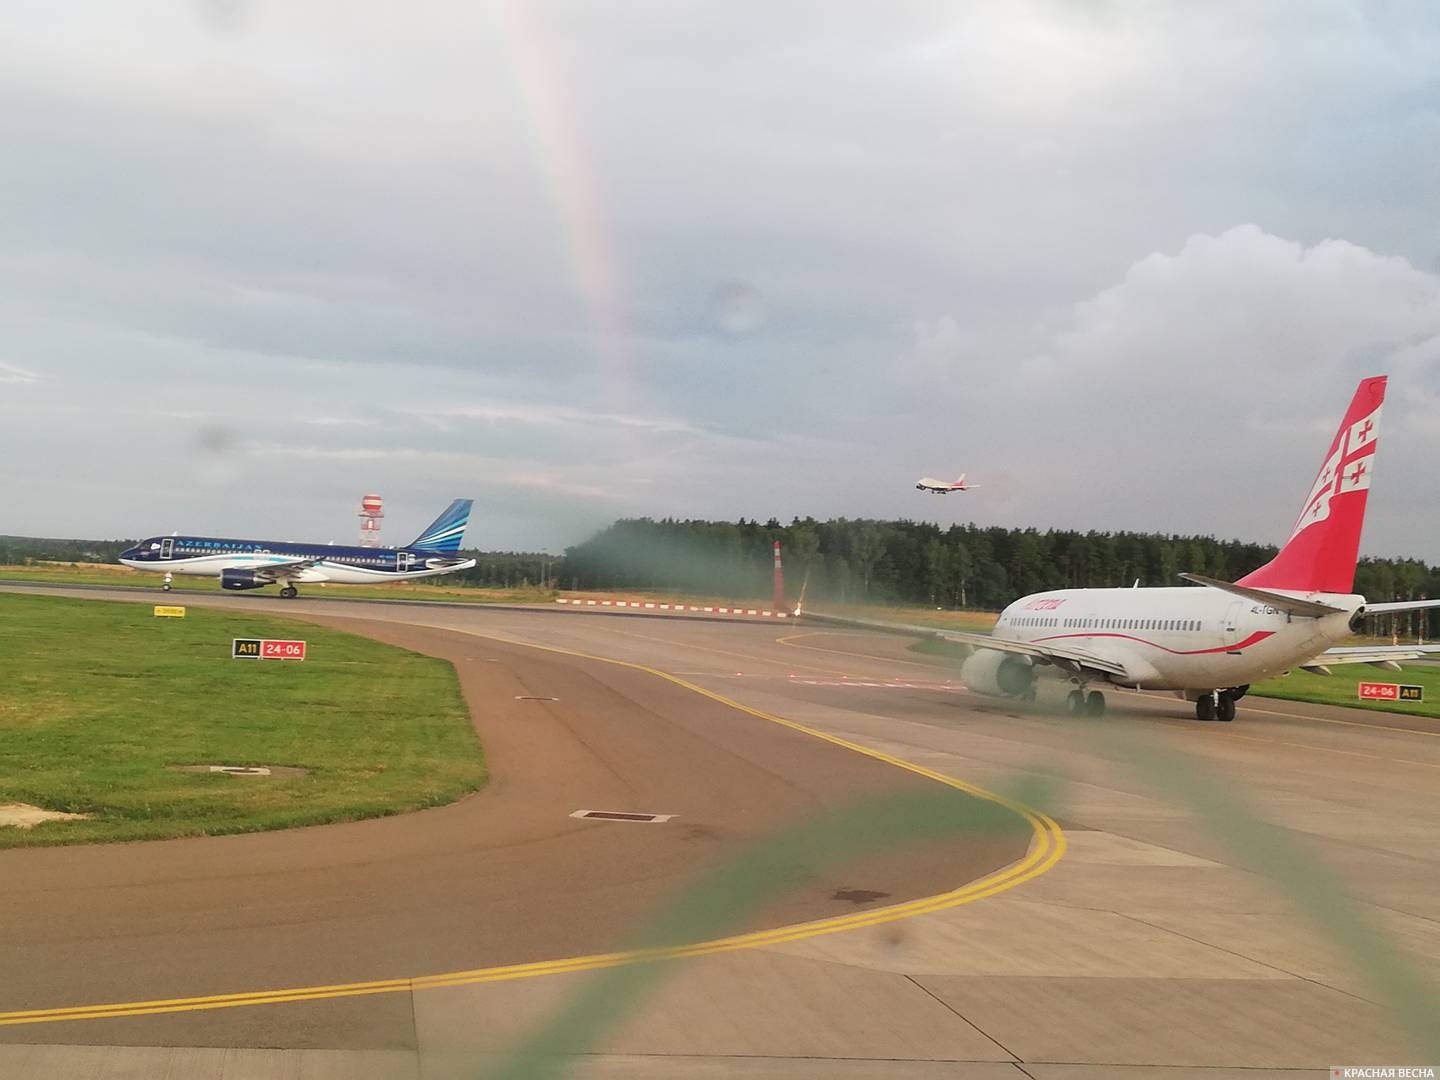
(266, 649)
(1389, 691)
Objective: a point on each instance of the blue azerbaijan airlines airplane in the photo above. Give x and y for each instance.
(253, 564)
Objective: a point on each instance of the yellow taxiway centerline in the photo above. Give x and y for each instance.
(1047, 848)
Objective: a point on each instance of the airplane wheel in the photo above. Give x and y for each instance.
(1075, 703)
(1205, 707)
(1095, 704)
(289, 592)
(164, 588)
(1225, 708)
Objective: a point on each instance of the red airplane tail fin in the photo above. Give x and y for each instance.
(1323, 546)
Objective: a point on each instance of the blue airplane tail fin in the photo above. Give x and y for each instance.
(446, 531)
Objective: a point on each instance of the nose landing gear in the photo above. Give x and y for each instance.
(165, 584)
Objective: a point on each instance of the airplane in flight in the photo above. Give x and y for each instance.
(943, 487)
(253, 564)
(1208, 644)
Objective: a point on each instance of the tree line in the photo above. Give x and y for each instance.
(913, 562)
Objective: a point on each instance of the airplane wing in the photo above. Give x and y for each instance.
(1377, 655)
(1066, 658)
(284, 571)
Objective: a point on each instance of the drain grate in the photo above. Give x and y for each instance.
(619, 815)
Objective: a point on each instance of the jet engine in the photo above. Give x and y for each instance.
(998, 674)
(241, 579)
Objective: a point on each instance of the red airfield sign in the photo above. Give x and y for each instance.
(266, 649)
(1389, 691)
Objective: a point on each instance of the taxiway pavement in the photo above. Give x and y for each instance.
(1160, 945)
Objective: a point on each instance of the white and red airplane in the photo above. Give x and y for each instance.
(1206, 644)
(942, 487)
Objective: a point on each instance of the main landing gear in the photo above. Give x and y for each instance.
(1079, 703)
(1219, 704)
(289, 592)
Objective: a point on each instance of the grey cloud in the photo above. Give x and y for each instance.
(1207, 383)
(9, 373)
(710, 259)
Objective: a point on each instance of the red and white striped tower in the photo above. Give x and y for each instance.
(370, 515)
(779, 601)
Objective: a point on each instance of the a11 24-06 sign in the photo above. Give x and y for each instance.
(266, 649)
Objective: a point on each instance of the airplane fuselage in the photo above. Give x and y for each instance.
(1183, 639)
(941, 487)
(211, 556)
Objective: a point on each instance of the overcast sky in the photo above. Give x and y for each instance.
(1122, 262)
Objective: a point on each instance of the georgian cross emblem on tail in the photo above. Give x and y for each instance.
(1347, 468)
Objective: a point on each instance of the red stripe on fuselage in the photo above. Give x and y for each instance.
(1253, 639)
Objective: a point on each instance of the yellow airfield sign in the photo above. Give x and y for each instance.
(162, 611)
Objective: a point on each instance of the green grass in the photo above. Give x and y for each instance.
(104, 574)
(1339, 688)
(97, 699)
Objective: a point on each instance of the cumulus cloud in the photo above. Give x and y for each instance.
(1205, 384)
(1250, 311)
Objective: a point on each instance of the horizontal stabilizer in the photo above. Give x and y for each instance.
(1291, 605)
(1400, 605)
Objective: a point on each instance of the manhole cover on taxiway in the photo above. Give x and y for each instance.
(619, 815)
